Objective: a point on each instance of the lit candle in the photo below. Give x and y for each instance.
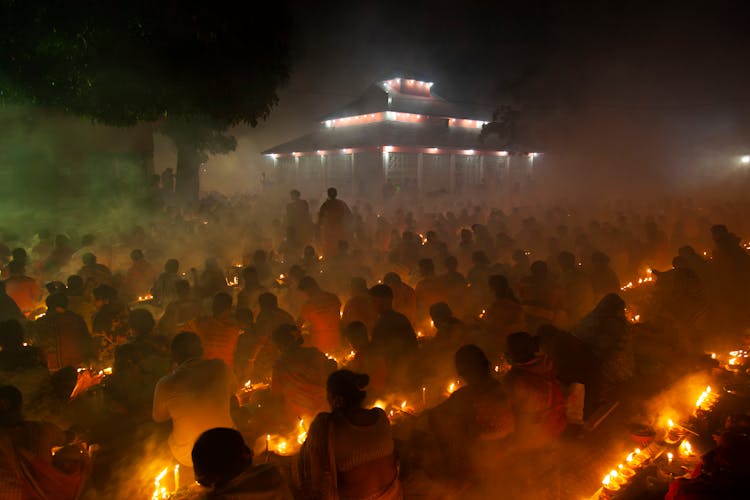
(670, 456)
(424, 396)
(177, 477)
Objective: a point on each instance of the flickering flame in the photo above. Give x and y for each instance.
(302, 435)
(248, 383)
(144, 298)
(379, 404)
(670, 456)
(160, 492)
(483, 313)
(106, 371)
(629, 458)
(403, 406)
(606, 481)
(670, 423)
(452, 387)
(732, 361)
(686, 449)
(713, 355)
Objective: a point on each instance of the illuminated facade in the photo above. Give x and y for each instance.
(399, 131)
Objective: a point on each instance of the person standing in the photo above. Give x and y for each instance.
(335, 220)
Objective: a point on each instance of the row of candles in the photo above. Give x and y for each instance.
(620, 476)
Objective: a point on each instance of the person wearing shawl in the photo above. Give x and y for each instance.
(606, 331)
(349, 452)
(224, 464)
(299, 375)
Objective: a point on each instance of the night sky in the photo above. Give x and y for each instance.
(640, 81)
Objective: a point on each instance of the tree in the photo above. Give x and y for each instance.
(193, 68)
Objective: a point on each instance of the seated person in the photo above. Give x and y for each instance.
(15, 354)
(478, 411)
(299, 375)
(27, 466)
(366, 360)
(63, 335)
(362, 464)
(223, 463)
(196, 396)
(534, 393)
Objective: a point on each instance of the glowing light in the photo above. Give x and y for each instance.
(670, 423)
(502, 153)
(432, 150)
(346, 151)
(745, 160)
(469, 152)
(273, 156)
(670, 457)
(321, 152)
(295, 153)
(159, 490)
(387, 149)
(686, 449)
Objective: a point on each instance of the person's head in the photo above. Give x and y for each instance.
(346, 389)
(287, 337)
(426, 268)
(382, 297)
(222, 304)
(566, 261)
(75, 285)
(88, 259)
(472, 364)
(357, 286)
(57, 302)
(539, 269)
(141, 321)
(451, 263)
(20, 255)
(268, 301)
(11, 335)
(356, 334)
(599, 259)
(16, 268)
(295, 195)
(440, 313)
(136, 255)
(172, 266)
(308, 285)
(309, 253)
(686, 251)
(219, 455)
(392, 279)
(250, 276)
(332, 193)
(521, 347)
(185, 346)
(466, 235)
(11, 403)
(104, 294)
(182, 289)
(500, 286)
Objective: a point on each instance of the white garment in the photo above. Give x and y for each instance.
(196, 398)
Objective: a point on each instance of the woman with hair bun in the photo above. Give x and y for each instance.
(349, 452)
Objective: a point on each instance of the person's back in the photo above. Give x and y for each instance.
(219, 336)
(24, 290)
(65, 339)
(196, 397)
(322, 313)
(219, 332)
(177, 314)
(393, 334)
(300, 377)
(535, 395)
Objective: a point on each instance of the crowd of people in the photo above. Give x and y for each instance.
(533, 315)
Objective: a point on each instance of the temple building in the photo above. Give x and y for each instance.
(400, 132)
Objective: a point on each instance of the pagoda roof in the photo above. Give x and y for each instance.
(390, 133)
(376, 99)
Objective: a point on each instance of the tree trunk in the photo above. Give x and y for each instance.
(187, 177)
